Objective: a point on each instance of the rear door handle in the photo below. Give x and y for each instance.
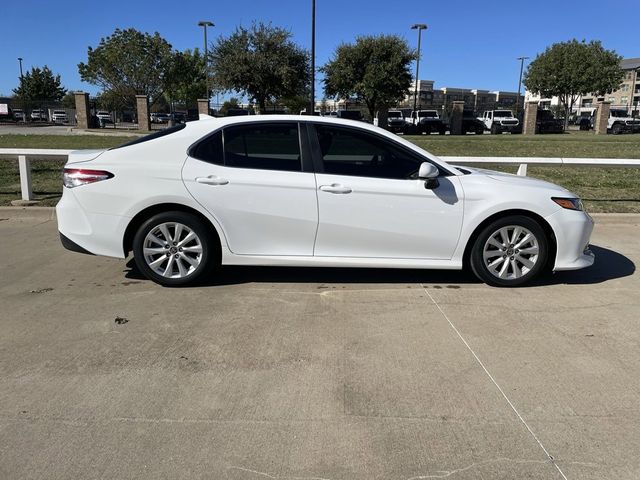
(212, 180)
(335, 188)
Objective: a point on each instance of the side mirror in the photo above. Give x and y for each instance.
(429, 173)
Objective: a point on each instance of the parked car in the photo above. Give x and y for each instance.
(470, 124)
(237, 112)
(295, 190)
(6, 113)
(37, 114)
(350, 114)
(103, 118)
(158, 117)
(179, 117)
(428, 121)
(396, 122)
(18, 115)
(621, 122)
(500, 121)
(59, 116)
(585, 120)
(546, 122)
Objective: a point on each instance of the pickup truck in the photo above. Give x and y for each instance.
(396, 122)
(428, 121)
(499, 121)
(59, 116)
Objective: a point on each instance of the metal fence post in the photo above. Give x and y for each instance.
(25, 177)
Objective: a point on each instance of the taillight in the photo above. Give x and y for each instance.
(75, 177)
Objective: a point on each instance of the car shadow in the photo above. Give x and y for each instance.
(609, 265)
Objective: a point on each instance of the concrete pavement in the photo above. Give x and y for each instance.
(315, 373)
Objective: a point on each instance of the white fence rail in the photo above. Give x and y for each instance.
(24, 155)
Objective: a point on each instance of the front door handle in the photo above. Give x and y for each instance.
(212, 180)
(335, 188)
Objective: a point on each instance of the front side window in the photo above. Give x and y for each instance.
(349, 152)
(263, 146)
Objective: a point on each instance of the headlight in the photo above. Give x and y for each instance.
(569, 203)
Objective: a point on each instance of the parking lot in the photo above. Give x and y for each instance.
(274, 373)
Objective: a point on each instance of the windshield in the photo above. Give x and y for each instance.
(395, 114)
(428, 114)
(619, 113)
(502, 113)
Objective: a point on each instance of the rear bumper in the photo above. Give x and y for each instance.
(86, 232)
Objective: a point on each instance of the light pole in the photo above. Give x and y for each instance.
(419, 27)
(312, 100)
(20, 61)
(205, 24)
(522, 59)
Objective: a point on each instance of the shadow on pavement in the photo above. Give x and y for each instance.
(608, 266)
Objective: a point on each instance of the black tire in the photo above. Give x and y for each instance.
(494, 130)
(210, 256)
(480, 132)
(616, 129)
(480, 267)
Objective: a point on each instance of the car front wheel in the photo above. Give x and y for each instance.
(510, 252)
(174, 249)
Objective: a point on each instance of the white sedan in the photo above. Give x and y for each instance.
(311, 191)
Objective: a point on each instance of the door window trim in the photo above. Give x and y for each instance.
(318, 163)
(306, 164)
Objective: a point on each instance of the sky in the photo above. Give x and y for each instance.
(468, 44)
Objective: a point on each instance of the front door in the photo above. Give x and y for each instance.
(371, 203)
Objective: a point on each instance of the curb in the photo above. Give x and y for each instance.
(38, 213)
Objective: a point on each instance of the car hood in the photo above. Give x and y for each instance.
(518, 180)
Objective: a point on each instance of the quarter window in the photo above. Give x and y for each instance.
(263, 146)
(347, 152)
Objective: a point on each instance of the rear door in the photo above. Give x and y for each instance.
(250, 177)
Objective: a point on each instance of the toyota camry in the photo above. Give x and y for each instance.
(311, 191)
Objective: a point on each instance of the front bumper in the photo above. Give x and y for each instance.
(573, 232)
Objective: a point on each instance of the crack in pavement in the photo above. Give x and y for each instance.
(493, 380)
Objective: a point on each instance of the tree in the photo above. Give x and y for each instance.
(128, 63)
(260, 62)
(570, 69)
(229, 104)
(374, 70)
(40, 84)
(185, 77)
(69, 100)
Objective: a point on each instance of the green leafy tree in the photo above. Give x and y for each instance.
(229, 104)
(570, 69)
(69, 100)
(261, 62)
(185, 77)
(128, 63)
(374, 70)
(40, 84)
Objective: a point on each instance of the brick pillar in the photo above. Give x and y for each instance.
(203, 106)
(455, 124)
(83, 114)
(530, 117)
(602, 118)
(142, 109)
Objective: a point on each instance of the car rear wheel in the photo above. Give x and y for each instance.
(616, 129)
(174, 249)
(510, 252)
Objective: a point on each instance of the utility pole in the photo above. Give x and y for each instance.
(21, 76)
(312, 103)
(522, 59)
(205, 24)
(419, 27)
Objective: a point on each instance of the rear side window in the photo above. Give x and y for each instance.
(209, 149)
(263, 146)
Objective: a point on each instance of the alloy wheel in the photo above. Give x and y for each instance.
(511, 252)
(172, 250)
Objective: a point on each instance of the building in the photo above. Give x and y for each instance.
(442, 99)
(627, 96)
